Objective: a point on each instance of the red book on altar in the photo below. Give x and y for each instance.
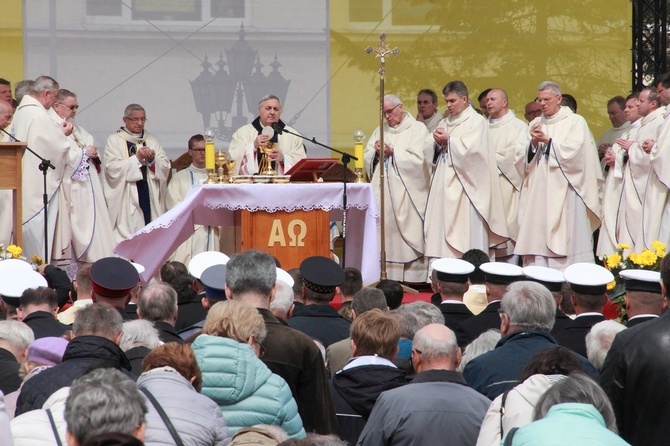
(311, 169)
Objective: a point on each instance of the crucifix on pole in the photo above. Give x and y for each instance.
(382, 51)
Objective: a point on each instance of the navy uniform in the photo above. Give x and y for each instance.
(589, 283)
(496, 273)
(648, 282)
(321, 321)
(454, 271)
(553, 280)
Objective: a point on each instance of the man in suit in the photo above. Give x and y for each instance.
(498, 277)
(450, 280)
(644, 301)
(589, 294)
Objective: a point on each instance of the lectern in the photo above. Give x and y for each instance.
(289, 236)
(11, 154)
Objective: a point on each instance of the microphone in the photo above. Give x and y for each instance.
(10, 135)
(277, 128)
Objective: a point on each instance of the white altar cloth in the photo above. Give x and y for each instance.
(214, 205)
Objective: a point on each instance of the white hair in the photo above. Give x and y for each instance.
(283, 298)
(139, 333)
(17, 334)
(484, 343)
(599, 341)
(548, 85)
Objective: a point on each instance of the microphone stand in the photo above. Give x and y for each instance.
(346, 158)
(45, 165)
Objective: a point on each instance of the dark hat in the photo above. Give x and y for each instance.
(588, 278)
(321, 274)
(452, 270)
(500, 273)
(113, 277)
(642, 280)
(15, 279)
(214, 279)
(551, 278)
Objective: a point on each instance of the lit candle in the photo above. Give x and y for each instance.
(209, 155)
(358, 153)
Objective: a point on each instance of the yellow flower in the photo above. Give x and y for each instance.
(634, 258)
(658, 246)
(613, 261)
(15, 251)
(648, 258)
(611, 285)
(623, 246)
(36, 260)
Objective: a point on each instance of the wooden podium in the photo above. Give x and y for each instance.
(11, 154)
(289, 236)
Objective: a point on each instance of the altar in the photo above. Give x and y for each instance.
(216, 205)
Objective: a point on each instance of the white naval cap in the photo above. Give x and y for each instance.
(14, 263)
(588, 278)
(16, 279)
(200, 262)
(285, 277)
(452, 270)
(551, 278)
(501, 273)
(641, 280)
(140, 268)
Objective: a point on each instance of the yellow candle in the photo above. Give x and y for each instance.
(209, 155)
(358, 153)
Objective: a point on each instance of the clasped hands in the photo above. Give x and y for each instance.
(388, 150)
(537, 135)
(145, 155)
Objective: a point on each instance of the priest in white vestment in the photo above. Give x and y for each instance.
(427, 107)
(656, 204)
(616, 160)
(559, 205)
(617, 116)
(464, 209)
(204, 238)
(83, 229)
(136, 171)
(6, 200)
(637, 169)
(508, 137)
(33, 125)
(248, 141)
(407, 156)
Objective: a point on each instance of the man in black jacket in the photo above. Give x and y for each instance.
(158, 305)
(635, 376)
(37, 309)
(97, 330)
(251, 278)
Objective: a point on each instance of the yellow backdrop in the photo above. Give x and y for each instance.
(512, 44)
(11, 41)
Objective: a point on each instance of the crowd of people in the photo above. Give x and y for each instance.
(497, 214)
(239, 351)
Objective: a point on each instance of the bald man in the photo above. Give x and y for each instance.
(508, 137)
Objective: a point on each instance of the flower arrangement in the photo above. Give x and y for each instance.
(649, 259)
(15, 252)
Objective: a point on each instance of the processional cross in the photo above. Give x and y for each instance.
(382, 51)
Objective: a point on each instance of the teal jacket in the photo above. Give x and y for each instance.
(568, 423)
(246, 391)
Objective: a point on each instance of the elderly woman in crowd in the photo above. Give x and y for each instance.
(172, 376)
(247, 392)
(575, 411)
